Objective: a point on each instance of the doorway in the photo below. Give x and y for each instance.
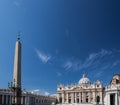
(60, 100)
(112, 99)
(77, 100)
(69, 101)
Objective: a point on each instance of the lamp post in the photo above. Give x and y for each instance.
(11, 86)
(26, 97)
(14, 90)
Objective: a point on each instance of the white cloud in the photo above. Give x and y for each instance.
(42, 56)
(68, 65)
(35, 91)
(101, 60)
(54, 95)
(40, 91)
(99, 55)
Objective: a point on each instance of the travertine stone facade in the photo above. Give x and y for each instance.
(83, 92)
(112, 92)
(28, 98)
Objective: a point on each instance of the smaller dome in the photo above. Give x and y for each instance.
(84, 80)
(98, 82)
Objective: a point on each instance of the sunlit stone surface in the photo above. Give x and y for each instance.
(87, 93)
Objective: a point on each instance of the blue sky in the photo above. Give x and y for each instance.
(61, 39)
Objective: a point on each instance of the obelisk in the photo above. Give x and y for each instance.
(17, 72)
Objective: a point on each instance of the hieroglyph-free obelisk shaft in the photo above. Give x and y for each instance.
(17, 73)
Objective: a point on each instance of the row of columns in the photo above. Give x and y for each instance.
(6, 99)
(32, 100)
(108, 100)
(83, 97)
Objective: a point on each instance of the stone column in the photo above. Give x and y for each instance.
(119, 99)
(62, 97)
(116, 99)
(80, 97)
(75, 97)
(89, 97)
(2, 99)
(101, 98)
(84, 97)
(27, 99)
(108, 99)
(66, 97)
(94, 97)
(58, 96)
(72, 98)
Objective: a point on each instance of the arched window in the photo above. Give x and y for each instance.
(97, 85)
(98, 99)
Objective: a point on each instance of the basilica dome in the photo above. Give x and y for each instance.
(84, 80)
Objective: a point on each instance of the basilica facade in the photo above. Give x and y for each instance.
(87, 93)
(83, 93)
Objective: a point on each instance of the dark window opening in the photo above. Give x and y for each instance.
(69, 100)
(81, 101)
(87, 100)
(78, 100)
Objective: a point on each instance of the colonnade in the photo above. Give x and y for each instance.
(80, 97)
(112, 98)
(5, 99)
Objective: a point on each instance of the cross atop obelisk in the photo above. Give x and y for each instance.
(17, 71)
(18, 36)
